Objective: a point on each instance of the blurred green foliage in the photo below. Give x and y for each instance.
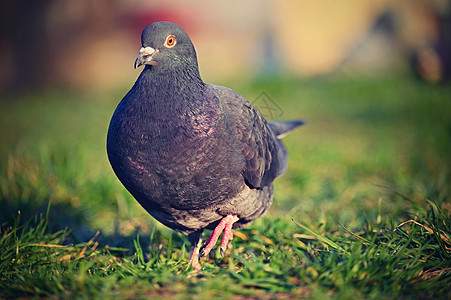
(375, 153)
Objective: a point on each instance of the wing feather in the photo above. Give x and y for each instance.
(264, 154)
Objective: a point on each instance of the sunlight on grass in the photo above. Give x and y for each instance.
(363, 211)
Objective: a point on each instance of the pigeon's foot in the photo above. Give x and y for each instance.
(194, 257)
(226, 226)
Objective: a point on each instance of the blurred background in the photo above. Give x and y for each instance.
(91, 44)
(371, 77)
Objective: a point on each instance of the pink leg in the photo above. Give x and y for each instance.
(194, 257)
(226, 226)
(226, 237)
(195, 239)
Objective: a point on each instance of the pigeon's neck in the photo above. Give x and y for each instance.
(174, 88)
(173, 99)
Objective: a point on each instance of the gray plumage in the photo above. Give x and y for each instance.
(190, 152)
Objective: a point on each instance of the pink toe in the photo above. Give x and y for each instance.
(224, 225)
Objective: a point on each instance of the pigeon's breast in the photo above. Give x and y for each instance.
(174, 157)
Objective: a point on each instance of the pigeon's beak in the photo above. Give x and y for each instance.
(145, 56)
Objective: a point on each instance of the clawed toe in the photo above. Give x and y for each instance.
(225, 225)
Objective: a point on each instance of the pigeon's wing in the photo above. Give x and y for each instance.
(264, 154)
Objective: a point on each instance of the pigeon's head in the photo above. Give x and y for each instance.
(165, 46)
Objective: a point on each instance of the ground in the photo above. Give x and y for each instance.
(363, 211)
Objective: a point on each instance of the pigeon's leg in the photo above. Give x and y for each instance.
(195, 239)
(226, 226)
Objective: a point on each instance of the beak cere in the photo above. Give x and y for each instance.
(145, 56)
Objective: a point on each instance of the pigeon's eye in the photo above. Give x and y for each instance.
(170, 41)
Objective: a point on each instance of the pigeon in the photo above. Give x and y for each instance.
(196, 156)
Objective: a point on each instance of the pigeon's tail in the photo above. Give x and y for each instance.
(281, 128)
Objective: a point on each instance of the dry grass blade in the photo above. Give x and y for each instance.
(239, 234)
(428, 274)
(93, 238)
(304, 236)
(48, 245)
(442, 235)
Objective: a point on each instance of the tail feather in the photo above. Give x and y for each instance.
(282, 128)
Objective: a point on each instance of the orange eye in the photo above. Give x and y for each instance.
(170, 41)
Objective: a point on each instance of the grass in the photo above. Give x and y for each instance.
(363, 212)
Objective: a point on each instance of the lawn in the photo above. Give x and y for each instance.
(363, 211)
